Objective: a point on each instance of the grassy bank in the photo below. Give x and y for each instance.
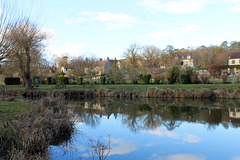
(9, 110)
(30, 135)
(130, 87)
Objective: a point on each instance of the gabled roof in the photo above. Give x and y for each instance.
(184, 55)
(102, 63)
(234, 55)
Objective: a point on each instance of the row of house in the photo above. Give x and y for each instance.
(186, 58)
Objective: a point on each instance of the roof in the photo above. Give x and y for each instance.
(234, 55)
(184, 55)
(102, 63)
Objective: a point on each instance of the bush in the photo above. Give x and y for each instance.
(102, 80)
(143, 78)
(224, 77)
(48, 80)
(35, 80)
(185, 77)
(12, 80)
(111, 81)
(194, 77)
(173, 75)
(62, 80)
(204, 77)
(123, 81)
(157, 79)
(79, 80)
(53, 81)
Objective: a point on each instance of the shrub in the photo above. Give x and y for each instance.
(144, 78)
(204, 77)
(102, 80)
(79, 80)
(111, 81)
(123, 81)
(48, 80)
(62, 80)
(35, 80)
(12, 80)
(193, 77)
(53, 80)
(173, 75)
(214, 70)
(134, 81)
(224, 77)
(157, 79)
(188, 76)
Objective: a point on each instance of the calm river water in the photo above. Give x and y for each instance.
(154, 129)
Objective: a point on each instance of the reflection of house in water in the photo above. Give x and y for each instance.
(234, 115)
(100, 110)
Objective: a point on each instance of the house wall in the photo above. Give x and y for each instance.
(188, 62)
(234, 61)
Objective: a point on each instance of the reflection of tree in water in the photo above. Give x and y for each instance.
(214, 118)
(131, 118)
(87, 114)
(169, 113)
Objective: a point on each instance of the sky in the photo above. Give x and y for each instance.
(106, 28)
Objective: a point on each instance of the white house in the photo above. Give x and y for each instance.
(234, 62)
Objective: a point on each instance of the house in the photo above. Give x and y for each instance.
(234, 62)
(65, 69)
(100, 67)
(186, 59)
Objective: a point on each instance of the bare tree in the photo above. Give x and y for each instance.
(151, 55)
(26, 41)
(6, 23)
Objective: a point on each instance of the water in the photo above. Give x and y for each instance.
(153, 129)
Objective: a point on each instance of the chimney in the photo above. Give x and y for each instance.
(107, 58)
(100, 59)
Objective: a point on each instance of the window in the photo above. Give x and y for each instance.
(233, 61)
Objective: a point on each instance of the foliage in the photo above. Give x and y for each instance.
(224, 77)
(214, 70)
(62, 79)
(188, 76)
(205, 78)
(157, 79)
(48, 80)
(12, 80)
(79, 80)
(102, 80)
(143, 78)
(36, 80)
(173, 75)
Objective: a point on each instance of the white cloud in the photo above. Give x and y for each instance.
(160, 132)
(69, 49)
(122, 147)
(49, 31)
(178, 157)
(188, 28)
(236, 158)
(111, 21)
(191, 138)
(174, 6)
(186, 138)
(234, 4)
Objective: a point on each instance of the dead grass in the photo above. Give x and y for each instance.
(46, 124)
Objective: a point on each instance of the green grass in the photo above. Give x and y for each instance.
(135, 86)
(9, 110)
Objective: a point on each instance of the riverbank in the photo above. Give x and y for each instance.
(151, 92)
(130, 87)
(31, 133)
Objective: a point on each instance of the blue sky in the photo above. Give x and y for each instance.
(106, 28)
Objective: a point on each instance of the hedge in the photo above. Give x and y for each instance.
(12, 80)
